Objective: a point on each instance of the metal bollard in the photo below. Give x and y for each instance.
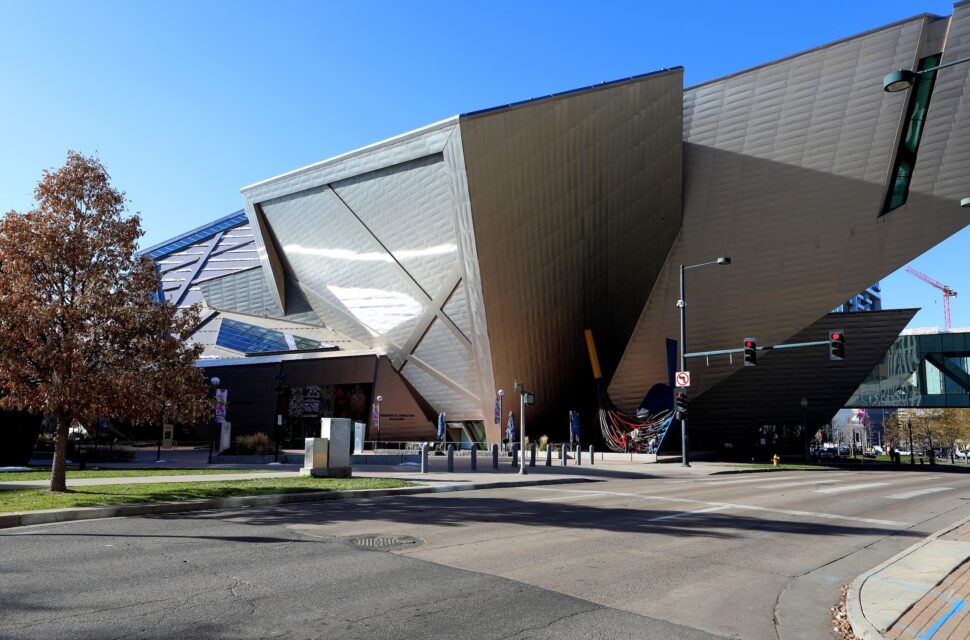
(548, 454)
(532, 454)
(424, 457)
(562, 451)
(474, 455)
(451, 458)
(565, 455)
(591, 454)
(495, 457)
(515, 454)
(579, 456)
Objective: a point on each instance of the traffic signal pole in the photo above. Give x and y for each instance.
(682, 303)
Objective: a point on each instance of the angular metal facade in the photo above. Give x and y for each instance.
(732, 415)
(378, 242)
(576, 201)
(473, 253)
(785, 170)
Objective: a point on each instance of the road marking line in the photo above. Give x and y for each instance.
(919, 492)
(731, 505)
(746, 480)
(854, 487)
(564, 498)
(684, 514)
(799, 483)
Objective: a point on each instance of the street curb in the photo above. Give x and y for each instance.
(27, 518)
(737, 471)
(853, 600)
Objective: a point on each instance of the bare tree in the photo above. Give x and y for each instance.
(81, 334)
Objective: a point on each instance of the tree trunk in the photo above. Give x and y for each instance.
(59, 467)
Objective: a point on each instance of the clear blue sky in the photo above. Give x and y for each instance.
(187, 102)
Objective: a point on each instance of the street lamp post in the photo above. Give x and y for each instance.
(682, 305)
(378, 425)
(214, 381)
(804, 404)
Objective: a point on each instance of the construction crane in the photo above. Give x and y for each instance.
(947, 293)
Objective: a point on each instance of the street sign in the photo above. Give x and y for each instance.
(682, 378)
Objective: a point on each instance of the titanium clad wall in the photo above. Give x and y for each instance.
(222, 253)
(575, 201)
(374, 242)
(943, 165)
(786, 170)
(246, 292)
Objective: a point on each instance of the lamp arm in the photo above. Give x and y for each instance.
(944, 66)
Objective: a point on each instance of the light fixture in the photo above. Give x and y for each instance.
(723, 260)
(899, 80)
(965, 203)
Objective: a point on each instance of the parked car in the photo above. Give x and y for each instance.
(961, 454)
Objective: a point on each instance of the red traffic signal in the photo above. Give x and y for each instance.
(750, 352)
(680, 404)
(837, 345)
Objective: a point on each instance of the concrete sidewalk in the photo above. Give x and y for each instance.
(919, 593)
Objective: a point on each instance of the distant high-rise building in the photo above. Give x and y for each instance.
(868, 300)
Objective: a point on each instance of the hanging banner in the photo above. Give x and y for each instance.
(222, 400)
(375, 416)
(498, 411)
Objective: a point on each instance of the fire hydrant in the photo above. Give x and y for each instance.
(775, 459)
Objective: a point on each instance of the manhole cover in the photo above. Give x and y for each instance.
(383, 543)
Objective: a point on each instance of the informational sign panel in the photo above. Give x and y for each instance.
(682, 378)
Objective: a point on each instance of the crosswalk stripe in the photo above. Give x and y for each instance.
(852, 487)
(731, 505)
(799, 483)
(919, 492)
(746, 480)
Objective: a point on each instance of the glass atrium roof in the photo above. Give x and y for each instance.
(248, 338)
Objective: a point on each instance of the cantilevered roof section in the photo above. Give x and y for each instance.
(194, 236)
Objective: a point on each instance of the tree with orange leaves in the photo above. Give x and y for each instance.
(82, 335)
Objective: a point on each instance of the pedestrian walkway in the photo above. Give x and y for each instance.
(921, 593)
(941, 613)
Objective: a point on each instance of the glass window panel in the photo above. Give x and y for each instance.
(934, 379)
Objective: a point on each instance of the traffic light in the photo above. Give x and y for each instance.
(680, 404)
(750, 352)
(836, 344)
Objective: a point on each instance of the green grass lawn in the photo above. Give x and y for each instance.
(10, 476)
(94, 496)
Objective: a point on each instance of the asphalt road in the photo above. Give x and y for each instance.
(672, 556)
